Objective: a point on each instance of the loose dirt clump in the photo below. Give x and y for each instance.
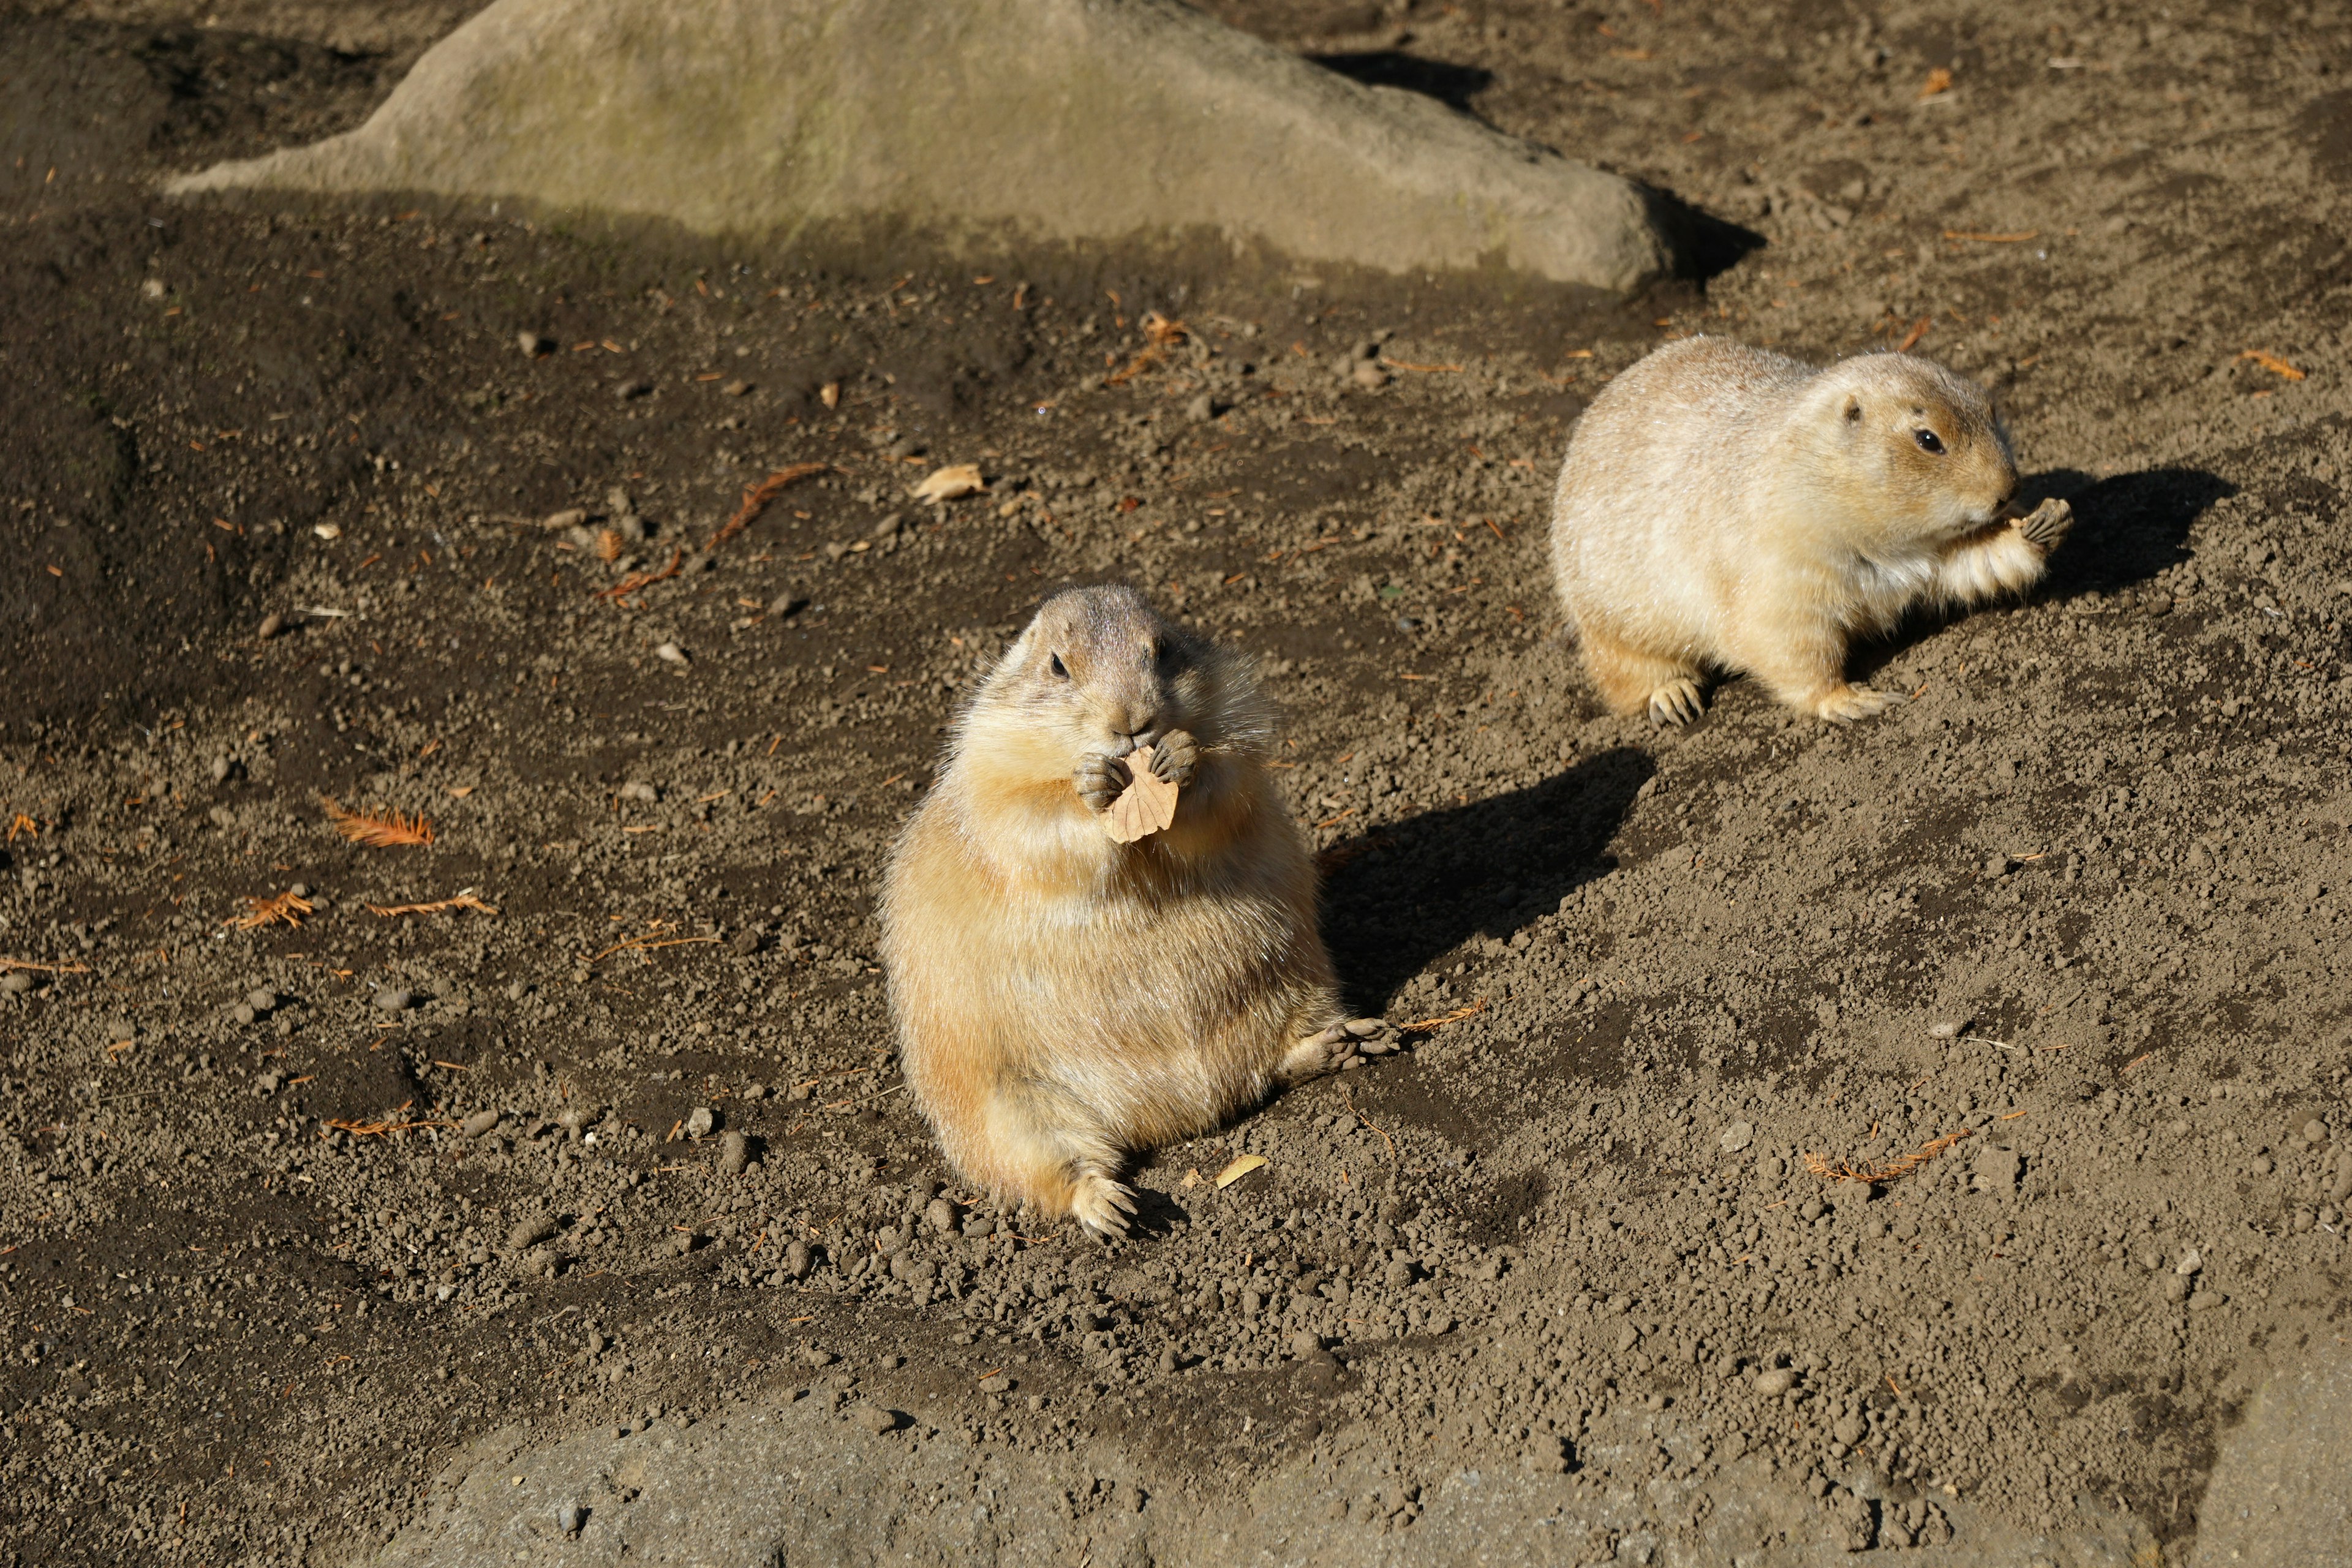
(469, 1153)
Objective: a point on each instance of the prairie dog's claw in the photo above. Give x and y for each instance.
(1848, 703)
(1675, 705)
(1102, 779)
(1176, 758)
(2046, 524)
(1104, 1207)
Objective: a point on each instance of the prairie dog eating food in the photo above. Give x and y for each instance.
(1063, 998)
(1726, 508)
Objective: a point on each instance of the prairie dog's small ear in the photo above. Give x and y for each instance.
(1853, 409)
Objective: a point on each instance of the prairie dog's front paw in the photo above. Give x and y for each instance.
(1176, 758)
(2045, 525)
(1101, 778)
(1848, 703)
(1104, 1207)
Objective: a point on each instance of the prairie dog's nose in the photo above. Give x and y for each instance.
(1135, 728)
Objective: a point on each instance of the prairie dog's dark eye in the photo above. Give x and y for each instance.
(1929, 442)
(1053, 663)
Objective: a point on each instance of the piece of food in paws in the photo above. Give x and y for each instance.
(1146, 807)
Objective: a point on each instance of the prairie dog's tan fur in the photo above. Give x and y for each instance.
(1060, 998)
(1722, 508)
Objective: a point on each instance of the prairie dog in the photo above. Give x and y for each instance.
(1722, 508)
(1062, 999)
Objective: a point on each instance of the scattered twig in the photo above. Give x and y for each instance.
(1876, 1174)
(1164, 334)
(26, 824)
(1456, 1016)
(1918, 330)
(1989, 1040)
(378, 830)
(284, 909)
(7, 963)
(359, 1128)
(636, 580)
(652, 939)
(2020, 237)
(2270, 362)
(464, 900)
(1348, 1100)
(755, 501)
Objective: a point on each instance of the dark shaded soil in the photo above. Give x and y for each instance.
(2105, 850)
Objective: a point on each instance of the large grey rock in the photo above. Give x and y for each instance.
(797, 1480)
(2280, 1492)
(1059, 120)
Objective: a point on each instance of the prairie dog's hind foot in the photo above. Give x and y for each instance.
(1335, 1048)
(1677, 703)
(1843, 704)
(1104, 1207)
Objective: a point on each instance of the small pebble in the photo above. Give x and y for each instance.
(630, 390)
(481, 1121)
(812, 1357)
(670, 653)
(17, 982)
(700, 1122)
(743, 944)
(527, 1232)
(393, 1001)
(736, 388)
(734, 1153)
(1305, 1343)
(1369, 376)
(2190, 1262)
(1775, 1383)
(939, 1215)
(874, 1417)
(1201, 409)
(1738, 1136)
(533, 346)
(567, 1518)
(271, 625)
(889, 526)
(262, 999)
(996, 1383)
(797, 1260)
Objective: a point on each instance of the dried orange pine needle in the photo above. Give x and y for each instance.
(378, 829)
(1874, 1174)
(284, 909)
(2273, 363)
(464, 900)
(609, 544)
(1456, 1016)
(23, 825)
(755, 501)
(1938, 81)
(636, 580)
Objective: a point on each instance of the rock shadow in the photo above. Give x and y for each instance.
(1451, 85)
(1396, 898)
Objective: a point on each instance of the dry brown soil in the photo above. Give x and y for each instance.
(2084, 896)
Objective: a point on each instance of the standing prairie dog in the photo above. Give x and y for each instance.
(1062, 999)
(1726, 508)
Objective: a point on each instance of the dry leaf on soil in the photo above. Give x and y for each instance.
(947, 483)
(1146, 807)
(1243, 1164)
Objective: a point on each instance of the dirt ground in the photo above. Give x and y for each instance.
(306, 1228)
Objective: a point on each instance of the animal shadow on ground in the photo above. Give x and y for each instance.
(1396, 898)
(1452, 86)
(2126, 529)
